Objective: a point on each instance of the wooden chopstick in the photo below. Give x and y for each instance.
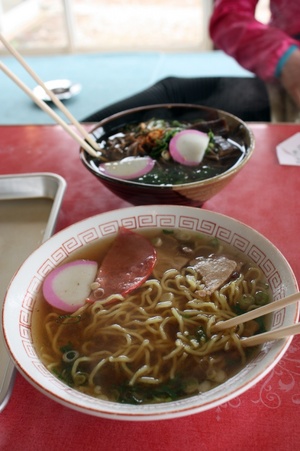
(89, 148)
(256, 313)
(271, 335)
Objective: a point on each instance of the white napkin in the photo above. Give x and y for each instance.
(288, 152)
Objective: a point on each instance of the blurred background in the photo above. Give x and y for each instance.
(68, 26)
(112, 48)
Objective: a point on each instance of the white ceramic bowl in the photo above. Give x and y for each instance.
(21, 295)
(63, 89)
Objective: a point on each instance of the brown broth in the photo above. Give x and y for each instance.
(193, 374)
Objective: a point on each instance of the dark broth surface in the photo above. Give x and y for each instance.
(156, 345)
(152, 138)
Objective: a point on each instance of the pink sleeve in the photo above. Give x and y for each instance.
(255, 46)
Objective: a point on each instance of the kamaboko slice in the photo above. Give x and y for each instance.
(68, 286)
(188, 147)
(128, 168)
(127, 264)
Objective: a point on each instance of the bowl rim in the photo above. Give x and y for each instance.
(201, 183)
(44, 381)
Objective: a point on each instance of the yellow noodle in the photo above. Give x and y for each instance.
(97, 367)
(178, 349)
(149, 380)
(178, 318)
(151, 335)
(162, 328)
(140, 372)
(120, 358)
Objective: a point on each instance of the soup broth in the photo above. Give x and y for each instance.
(157, 344)
(152, 138)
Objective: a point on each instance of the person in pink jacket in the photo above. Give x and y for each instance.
(271, 51)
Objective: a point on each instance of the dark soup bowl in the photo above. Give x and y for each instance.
(144, 160)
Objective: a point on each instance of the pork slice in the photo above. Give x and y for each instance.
(215, 270)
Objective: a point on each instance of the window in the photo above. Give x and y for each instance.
(59, 26)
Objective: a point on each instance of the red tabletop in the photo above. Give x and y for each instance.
(265, 196)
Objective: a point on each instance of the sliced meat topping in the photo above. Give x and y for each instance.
(127, 264)
(215, 270)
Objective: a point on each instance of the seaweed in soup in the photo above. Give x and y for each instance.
(152, 138)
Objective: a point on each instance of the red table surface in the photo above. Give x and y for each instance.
(265, 196)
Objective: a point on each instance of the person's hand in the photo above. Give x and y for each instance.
(290, 77)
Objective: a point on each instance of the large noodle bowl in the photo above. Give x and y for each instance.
(157, 344)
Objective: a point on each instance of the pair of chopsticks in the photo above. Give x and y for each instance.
(256, 313)
(91, 147)
(89, 144)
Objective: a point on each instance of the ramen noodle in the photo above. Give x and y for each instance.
(157, 344)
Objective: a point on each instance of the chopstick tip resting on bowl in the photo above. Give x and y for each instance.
(256, 313)
(90, 145)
